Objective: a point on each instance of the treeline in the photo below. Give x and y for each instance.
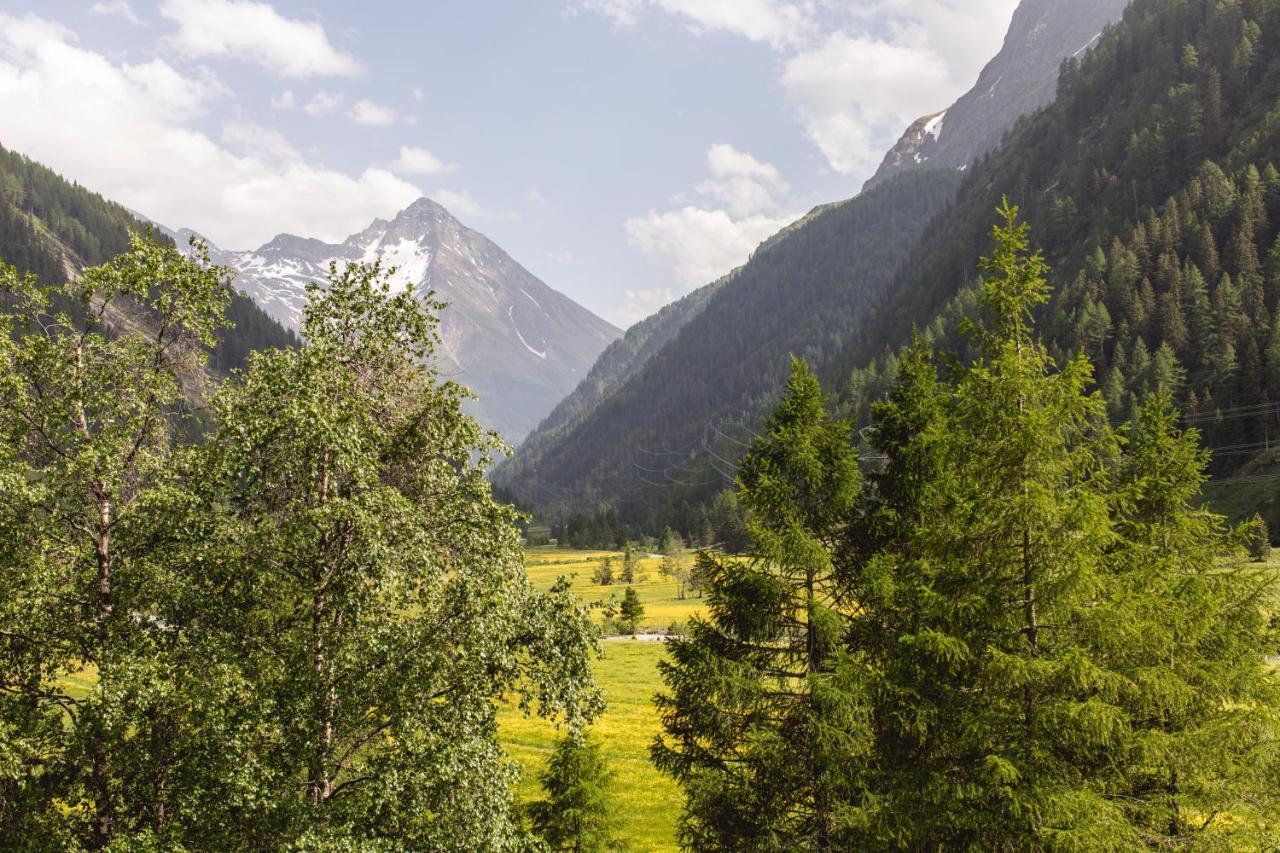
(720, 523)
(292, 633)
(50, 228)
(1020, 632)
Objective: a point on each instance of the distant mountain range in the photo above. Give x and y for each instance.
(518, 344)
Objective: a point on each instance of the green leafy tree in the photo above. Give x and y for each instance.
(761, 720)
(578, 813)
(371, 587)
(91, 411)
(631, 611)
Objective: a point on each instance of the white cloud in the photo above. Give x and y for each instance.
(769, 21)
(119, 8)
(460, 204)
(741, 182)
(323, 104)
(700, 245)
(255, 32)
(855, 73)
(368, 113)
(858, 88)
(284, 101)
(641, 304)
(420, 161)
(148, 153)
(743, 203)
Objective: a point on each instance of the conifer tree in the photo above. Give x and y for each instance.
(761, 716)
(578, 813)
(631, 611)
(1038, 613)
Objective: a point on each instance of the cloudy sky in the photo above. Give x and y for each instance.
(625, 151)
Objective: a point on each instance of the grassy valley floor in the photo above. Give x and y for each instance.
(648, 802)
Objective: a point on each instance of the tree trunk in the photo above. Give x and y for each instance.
(100, 777)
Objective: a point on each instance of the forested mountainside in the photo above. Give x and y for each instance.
(618, 363)
(1151, 184)
(1021, 78)
(520, 345)
(798, 294)
(1153, 189)
(54, 228)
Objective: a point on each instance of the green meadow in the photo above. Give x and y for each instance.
(648, 803)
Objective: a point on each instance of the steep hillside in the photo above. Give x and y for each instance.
(1153, 188)
(621, 360)
(1021, 78)
(54, 228)
(518, 344)
(798, 294)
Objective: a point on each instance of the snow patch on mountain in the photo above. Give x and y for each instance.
(934, 127)
(542, 354)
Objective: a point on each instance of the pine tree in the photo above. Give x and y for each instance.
(578, 813)
(631, 610)
(760, 716)
(628, 564)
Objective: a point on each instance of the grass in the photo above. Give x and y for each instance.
(648, 803)
(663, 607)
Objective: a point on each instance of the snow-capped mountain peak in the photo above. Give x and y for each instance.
(518, 344)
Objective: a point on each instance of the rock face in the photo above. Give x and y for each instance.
(1021, 78)
(518, 344)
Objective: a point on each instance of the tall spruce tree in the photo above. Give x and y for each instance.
(1037, 612)
(761, 716)
(578, 814)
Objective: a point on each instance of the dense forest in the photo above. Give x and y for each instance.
(1153, 178)
(51, 227)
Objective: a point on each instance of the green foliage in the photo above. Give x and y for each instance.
(603, 573)
(292, 636)
(577, 814)
(761, 721)
(631, 610)
(1021, 633)
(90, 420)
(1258, 540)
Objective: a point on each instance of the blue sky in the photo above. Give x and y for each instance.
(625, 151)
